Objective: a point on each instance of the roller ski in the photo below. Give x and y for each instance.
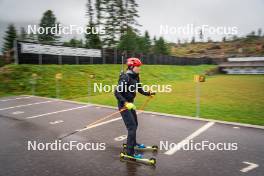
(138, 158)
(142, 147)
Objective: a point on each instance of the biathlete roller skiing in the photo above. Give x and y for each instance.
(125, 93)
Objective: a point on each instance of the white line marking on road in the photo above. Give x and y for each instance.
(98, 107)
(56, 122)
(56, 112)
(121, 138)
(186, 140)
(19, 106)
(236, 127)
(18, 112)
(15, 98)
(99, 124)
(250, 167)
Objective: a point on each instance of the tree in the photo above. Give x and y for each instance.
(128, 41)
(234, 37)
(154, 40)
(179, 41)
(121, 17)
(92, 38)
(259, 32)
(99, 9)
(90, 11)
(48, 22)
(10, 36)
(74, 43)
(143, 43)
(33, 37)
(147, 42)
(201, 35)
(161, 47)
(23, 34)
(111, 25)
(116, 17)
(251, 35)
(193, 40)
(131, 15)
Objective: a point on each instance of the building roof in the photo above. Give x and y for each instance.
(245, 59)
(242, 64)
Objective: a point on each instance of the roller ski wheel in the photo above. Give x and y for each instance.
(151, 161)
(153, 148)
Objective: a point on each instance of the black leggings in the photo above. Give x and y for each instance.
(130, 120)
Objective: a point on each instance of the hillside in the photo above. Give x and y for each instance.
(241, 47)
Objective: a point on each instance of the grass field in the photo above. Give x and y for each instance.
(237, 98)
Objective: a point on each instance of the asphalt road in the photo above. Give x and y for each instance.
(25, 119)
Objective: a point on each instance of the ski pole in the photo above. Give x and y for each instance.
(122, 64)
(93, 123)
(145, 103)
(106, 117)
(121, 110)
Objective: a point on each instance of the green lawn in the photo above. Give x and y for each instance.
(238, 98)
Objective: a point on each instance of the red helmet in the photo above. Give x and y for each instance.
(134, 62)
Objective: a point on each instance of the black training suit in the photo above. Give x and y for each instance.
(123, 94)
